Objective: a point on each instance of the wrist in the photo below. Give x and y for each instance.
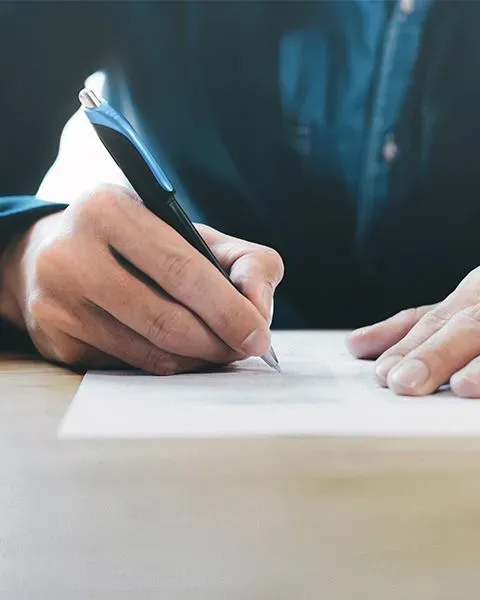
(15, 264)
(11, 279)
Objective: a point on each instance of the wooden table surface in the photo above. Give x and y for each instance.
(271, 519)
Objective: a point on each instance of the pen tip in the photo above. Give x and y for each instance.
(273, 354)
(272, 362)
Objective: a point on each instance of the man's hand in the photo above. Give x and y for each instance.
(422, 348)
(107, 283)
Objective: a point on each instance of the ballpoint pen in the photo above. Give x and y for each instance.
(147, 178)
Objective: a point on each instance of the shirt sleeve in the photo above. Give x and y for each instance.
(17, 213)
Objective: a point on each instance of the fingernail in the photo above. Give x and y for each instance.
(257, 343)
(384, 366)
(360, 344)
(360, 332)
(409, 375)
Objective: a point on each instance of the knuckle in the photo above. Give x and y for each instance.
(166, 325)
(102, 201)
(102, 204)
(274, 258)
(233, 324)
(408, 314)
(109, 195)
(438, 316)
(178, 272)
(417, 313)
(471, 314)
(244, 281)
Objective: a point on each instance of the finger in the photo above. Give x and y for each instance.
(256, 277)
(80, 355)
(113, 338)
(255, 270)
(463, 297)
(230, 249)
(69, 338)
(187, 276)
(431, 322)
(148, 311)
(432, 363)
(370, 342)
(466, 382)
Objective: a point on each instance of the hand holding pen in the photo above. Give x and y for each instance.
(150, 182)
(106, 283)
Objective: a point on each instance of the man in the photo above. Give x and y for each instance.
(343, 134)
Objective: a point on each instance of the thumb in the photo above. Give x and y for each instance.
(255, 270)
(256, 276)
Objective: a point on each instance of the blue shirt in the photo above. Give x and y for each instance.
(345, 134)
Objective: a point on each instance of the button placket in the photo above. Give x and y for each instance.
(400, 48)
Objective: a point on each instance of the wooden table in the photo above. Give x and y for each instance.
(285, 519)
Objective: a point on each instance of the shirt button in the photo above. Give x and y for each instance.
(407, 6)
(390, 150)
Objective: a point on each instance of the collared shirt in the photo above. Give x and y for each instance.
(345, 134)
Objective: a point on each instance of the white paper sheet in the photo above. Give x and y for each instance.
(322, 391)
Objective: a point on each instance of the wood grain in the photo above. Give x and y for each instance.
(273, 519)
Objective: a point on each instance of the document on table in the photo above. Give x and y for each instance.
(323, 391)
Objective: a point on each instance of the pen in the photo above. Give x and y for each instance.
(147, 178)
